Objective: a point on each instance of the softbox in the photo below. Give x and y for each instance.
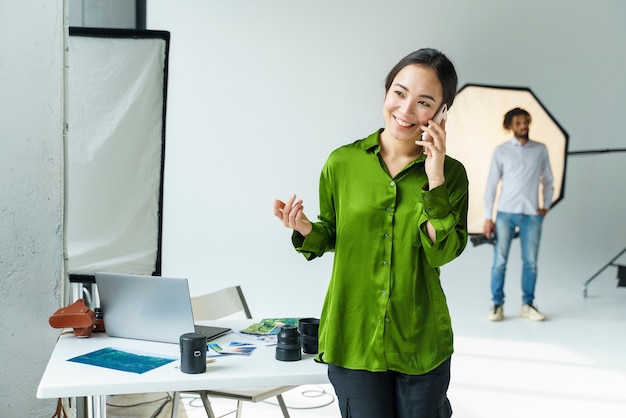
(474, 130)
(115, 145)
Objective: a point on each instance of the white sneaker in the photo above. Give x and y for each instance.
(528, 311)
(497, 313)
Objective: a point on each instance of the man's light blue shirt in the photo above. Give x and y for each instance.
(522, 169)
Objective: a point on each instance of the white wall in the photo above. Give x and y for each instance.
(261, 92)
(31, 116)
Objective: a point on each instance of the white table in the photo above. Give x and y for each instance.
(64, 379)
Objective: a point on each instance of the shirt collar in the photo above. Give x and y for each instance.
(372, 142)
(516, 143)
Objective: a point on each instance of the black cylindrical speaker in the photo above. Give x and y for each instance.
(193, 353)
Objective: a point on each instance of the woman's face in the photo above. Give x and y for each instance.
(414, 97)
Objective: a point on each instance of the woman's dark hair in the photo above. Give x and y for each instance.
(437, 61)
(508, 117)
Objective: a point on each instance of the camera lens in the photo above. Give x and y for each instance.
(288, 345)
(308, 328)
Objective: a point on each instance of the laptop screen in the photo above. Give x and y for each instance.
(145, 307)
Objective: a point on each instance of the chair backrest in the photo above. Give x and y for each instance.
(219, 304)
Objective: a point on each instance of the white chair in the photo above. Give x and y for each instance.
(217, 305)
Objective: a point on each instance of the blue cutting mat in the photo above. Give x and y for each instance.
(112, 358)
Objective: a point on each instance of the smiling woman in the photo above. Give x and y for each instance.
(392, 215)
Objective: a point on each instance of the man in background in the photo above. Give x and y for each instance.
(521, 165)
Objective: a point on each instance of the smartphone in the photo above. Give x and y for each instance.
(441, 115)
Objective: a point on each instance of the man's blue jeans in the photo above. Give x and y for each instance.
(529, 234)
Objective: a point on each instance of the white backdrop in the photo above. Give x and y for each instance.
(260, 92)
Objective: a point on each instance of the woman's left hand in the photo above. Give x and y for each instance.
(435, 151)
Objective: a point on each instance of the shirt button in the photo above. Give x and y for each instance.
(393, 183)
(383, 293)
(385, 263)
(427, 210)
(387, 320)
(426, 198)
(389, 209)
(387, 236)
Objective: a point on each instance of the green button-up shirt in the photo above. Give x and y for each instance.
(385, 308)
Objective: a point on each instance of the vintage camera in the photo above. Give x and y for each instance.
(77, 316)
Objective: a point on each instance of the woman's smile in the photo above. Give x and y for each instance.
(403, 123)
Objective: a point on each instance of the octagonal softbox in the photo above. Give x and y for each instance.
(474, 130)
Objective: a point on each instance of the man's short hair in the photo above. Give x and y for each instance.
(518, 111)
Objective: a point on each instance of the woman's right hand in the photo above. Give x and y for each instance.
(291, 213)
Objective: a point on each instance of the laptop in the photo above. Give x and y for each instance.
(149, 308)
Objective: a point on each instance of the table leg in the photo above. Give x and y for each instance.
(97, 406)
(207, 404)
(175, 402)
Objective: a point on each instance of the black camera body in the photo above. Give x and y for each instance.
(480, 239)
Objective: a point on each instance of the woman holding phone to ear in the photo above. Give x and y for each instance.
(393, 209)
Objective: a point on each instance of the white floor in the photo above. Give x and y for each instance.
(310, 401)
(571, 366)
